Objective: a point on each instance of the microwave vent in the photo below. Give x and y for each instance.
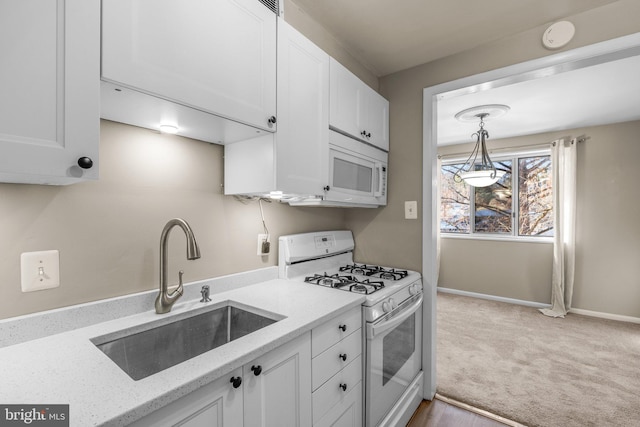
(271, 4)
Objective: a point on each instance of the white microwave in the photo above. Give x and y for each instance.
(357, 172)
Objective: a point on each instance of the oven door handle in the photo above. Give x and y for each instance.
(404, 313)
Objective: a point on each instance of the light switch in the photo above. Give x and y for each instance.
(40, 270)
(411, 210)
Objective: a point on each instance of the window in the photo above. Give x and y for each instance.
(520, 204)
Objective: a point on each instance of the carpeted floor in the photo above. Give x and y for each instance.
(517, 363)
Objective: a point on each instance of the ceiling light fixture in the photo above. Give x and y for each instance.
(480, 172)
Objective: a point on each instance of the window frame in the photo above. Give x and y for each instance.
(514, 236)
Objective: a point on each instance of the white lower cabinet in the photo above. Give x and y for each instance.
(337, 371)
(272, 390)
(277, 386)
(216, 404)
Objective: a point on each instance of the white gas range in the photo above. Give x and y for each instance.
(392, 314)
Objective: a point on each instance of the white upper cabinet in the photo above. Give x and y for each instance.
(356, 109)
(215, 57)
(50, 93)
(295, 160)
(303, 113)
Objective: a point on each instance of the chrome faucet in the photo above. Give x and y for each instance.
(165, 300)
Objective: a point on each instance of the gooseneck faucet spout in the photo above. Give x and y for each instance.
(165, 300)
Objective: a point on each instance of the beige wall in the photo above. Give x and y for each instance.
(108, 231)
(307, 25)
(607, 237)
(404, 91)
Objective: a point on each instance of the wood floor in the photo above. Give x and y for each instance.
(441, 414)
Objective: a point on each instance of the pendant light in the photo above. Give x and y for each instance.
(478, 170)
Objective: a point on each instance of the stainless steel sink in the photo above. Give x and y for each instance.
(153, 347)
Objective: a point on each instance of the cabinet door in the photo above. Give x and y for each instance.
(346, 101)
(217, 56)
(303, 114)
(278, 386)
(214, 405)
(377, 120)
(356, 109)
(50, 102)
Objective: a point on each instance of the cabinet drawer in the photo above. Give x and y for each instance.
(329, 362)
(334, 330)
(331, 393)
(347, 413)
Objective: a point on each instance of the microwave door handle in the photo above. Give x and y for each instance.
(378, 191)
(374, 330)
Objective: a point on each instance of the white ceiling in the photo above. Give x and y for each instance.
(391, 36)
(596, 95)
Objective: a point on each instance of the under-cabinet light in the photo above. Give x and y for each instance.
(169, 129)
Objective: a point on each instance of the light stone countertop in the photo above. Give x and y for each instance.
(68, 368)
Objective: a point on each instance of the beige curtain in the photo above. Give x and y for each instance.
(563, 158)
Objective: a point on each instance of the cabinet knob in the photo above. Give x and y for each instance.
(343, 386)
(343, 356)
(343, 328)
(236, 381)
(257, 370)
(326, 188)
(85, 162)
(272, 120)
(368, 135)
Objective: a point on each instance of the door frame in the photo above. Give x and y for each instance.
(598, 53)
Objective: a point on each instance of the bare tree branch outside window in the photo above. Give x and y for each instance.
(493, 205)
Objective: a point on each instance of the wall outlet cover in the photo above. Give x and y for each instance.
(264, 246)
(40, 270)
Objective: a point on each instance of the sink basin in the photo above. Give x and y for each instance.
(156, 346)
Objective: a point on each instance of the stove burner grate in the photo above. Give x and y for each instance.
(345, 282)
(375, 271)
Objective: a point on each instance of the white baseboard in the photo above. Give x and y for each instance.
(609, 316)
(618, 317)
(494, 298)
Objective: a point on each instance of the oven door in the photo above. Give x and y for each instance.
(394, 353)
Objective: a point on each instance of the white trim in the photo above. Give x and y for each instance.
(478, 411)
(597, 53)
(482, 236)
(598, 314)
(493, 298)
(609, 316)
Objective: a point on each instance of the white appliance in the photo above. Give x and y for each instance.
(357, 175)
(392, 314)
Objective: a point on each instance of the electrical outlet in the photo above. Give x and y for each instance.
(411, 210)
(39, 270)
(263, 244)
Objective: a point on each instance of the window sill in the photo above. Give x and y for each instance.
(497, 238)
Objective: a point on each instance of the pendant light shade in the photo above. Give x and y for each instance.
(479, 170)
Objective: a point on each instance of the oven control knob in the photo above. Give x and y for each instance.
(414, 289)
(393, 303)
(386, 306)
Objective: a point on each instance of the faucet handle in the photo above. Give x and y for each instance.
(205, 293)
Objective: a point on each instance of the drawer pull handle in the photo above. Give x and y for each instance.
(257, 370)
(343, 386)
(343, 356)
(343, 328)
(236, 381)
